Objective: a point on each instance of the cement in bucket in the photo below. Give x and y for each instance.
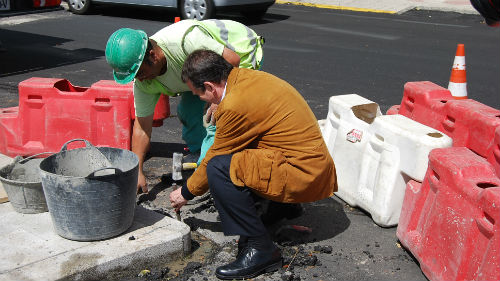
(86, 205)
(21, 180)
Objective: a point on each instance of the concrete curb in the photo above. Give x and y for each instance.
(31, 250)
(387, 6)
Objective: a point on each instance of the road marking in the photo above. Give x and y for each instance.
(291, 49)
(15, 20)
(344, 31)
(432, 23)
(333, 7)
(401, 20)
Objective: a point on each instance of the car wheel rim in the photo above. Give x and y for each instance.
(195, 9)
(77, 4)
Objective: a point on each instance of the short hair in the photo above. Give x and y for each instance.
(205, 66)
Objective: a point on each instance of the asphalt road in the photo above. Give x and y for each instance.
(322, 53)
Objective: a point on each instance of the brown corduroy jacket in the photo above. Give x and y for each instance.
(274, 137)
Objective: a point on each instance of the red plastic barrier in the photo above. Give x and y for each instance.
(53, 111)
(469, 123)
(424, 102)
(393, 110)
(494, 157)
(472, 124)
(451, 221)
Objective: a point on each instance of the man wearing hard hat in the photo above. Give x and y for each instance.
(156, 64)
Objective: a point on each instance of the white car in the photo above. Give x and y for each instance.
(189, 9)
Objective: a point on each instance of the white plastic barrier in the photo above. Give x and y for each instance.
(376, 155)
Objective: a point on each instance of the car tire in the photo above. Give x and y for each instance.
(79, 7)
(197, 9)
(254, 14)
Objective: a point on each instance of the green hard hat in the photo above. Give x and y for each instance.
(124, 53)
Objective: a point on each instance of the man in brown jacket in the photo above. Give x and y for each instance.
(268, 144)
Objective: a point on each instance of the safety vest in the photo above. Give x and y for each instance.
(234, 35)
(238, 38)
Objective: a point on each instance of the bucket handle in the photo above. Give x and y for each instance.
(91, 175)
(87, 144)
(32, 156)
(104, 160)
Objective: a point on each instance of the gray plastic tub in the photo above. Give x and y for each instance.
(86, 204)
(21, 180)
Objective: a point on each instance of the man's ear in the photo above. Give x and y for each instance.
(152, 55)
(209, 86)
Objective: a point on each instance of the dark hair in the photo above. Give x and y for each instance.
(205, 66)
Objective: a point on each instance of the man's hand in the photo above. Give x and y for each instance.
(142, 185)
(177, 200)
(209, 116)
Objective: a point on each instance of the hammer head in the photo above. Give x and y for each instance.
(177, 166)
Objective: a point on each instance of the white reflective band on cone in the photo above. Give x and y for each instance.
(458, 89)
(459, 63)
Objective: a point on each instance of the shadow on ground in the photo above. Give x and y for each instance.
(43, 51)
(325, 219)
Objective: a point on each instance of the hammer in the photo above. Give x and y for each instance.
(178, 166)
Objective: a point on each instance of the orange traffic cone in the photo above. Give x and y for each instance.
(458, 79)
(177, 19)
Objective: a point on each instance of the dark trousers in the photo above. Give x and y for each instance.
(236, 205)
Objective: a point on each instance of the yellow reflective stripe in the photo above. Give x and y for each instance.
(253, 43)
(224, 34)
(252, 37)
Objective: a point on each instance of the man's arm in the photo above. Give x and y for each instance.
(231, 57)
(199, 39)
(146, 96)
(235, 132)
(141, 138)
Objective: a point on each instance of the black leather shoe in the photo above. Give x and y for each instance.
(250, 263)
